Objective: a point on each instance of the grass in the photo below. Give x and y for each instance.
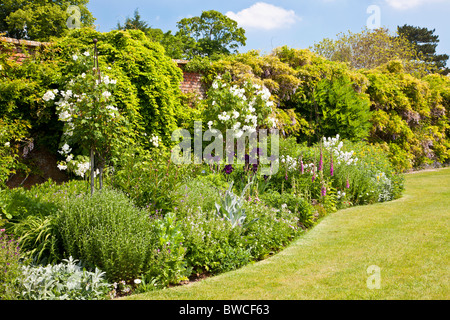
(408, 239)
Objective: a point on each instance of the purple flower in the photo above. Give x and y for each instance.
(324, 191)
(302, 167)
(347, 184)
(254, 167)
(228, 169)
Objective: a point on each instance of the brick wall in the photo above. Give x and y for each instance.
(22, 47)
(191, 80)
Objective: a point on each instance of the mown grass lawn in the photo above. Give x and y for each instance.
(408, 239)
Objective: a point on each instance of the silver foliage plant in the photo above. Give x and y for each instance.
(64, 281)
(231, 208)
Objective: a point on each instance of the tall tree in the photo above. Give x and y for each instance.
(134, 23)
(425, 42)
(42, 19)
(212, 33)
(368, 49)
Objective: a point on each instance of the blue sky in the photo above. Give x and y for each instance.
(295, 23)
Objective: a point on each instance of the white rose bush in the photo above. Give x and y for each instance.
(91, 120)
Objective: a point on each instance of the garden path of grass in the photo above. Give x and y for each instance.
(408, 239)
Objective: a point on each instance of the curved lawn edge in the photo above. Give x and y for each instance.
(406, 239)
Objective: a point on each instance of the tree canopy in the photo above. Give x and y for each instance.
(425, 43)
(42, 19)
(213, 33)
(368, 49)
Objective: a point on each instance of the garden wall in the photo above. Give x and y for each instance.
(191, 80)
(23, 46)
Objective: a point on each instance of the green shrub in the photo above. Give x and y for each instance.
(150, 179)
(32, 217)
(212, 244)
(274, 229)
(196, 193)
(64, 281)
(109, 232)
(300, 207)
(169, 265)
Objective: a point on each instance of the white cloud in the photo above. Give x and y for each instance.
(264, 16)
(409, 4)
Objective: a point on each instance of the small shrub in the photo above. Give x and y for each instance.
(109, 232)
(64, 281)
(212, 244)
(32, 217)
(273, 230)
(195, 193)
(149, 179)
(169, 265)
(297, 205)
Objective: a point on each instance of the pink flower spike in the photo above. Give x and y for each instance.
(320, 161)
(331, 165)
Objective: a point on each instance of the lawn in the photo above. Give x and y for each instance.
(407, 239)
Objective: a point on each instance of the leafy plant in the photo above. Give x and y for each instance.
(64, 281)
(296, 204)
(231, 208)
(107, 231)
(212, 244)
(10, 265)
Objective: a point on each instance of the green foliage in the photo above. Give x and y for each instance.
(369, 49)
(41, 20)
(64, 281)
(410, 116)
(213, 33)
(273, 230)
(339, 109)
(12, 137)
(150, 179)
(212, 245)
(92, 120)
(198, 192)
(239, 108)
(263, 70)
(31, 217)
(170, 266)
(231, 208)
(134, 23)
(10, 266)
(300, 207)
(425, 43)
(107, 231)
(147, 80)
